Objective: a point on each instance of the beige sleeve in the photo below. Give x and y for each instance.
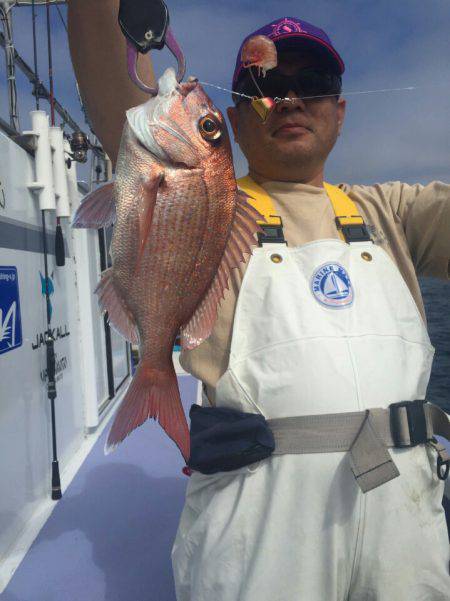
(424, 212)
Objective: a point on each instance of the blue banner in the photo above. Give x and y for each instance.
(10, 321)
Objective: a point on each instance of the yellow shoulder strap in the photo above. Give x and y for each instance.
(344, 208)
(259, 199)
(347, 214)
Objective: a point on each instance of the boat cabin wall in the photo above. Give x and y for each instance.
(80, 345)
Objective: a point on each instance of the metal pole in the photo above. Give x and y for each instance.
(6, 16)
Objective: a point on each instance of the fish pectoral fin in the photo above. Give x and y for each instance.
(152, 393)
(240, 241)
(97, 209)
(118, 314)
(147, 203)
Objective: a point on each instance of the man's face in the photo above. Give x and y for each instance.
(298, 136)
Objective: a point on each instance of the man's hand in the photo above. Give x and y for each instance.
(98, 51)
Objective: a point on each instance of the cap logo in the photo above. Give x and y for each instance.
(286, 26)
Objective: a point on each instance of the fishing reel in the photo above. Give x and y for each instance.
(79, 145)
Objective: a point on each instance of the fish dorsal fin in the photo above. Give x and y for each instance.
(118, 315)
(240, 241)
(97, 209)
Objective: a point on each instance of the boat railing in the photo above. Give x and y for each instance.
(13, 61)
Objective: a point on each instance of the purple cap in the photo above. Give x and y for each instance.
(290, 33)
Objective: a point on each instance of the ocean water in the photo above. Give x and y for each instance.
(436, 296)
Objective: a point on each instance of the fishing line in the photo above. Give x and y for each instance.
(83, 108)
(350, 93)
(61, 17)
(252, 75)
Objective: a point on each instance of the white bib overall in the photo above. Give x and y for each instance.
(330, 328)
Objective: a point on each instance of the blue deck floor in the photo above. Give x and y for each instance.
(110, 536)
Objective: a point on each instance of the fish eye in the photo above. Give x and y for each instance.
(209, 128)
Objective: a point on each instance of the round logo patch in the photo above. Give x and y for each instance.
(331, 286)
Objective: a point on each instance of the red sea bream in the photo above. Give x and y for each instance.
(180, 226)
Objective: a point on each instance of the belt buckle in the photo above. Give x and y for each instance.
(417, 423)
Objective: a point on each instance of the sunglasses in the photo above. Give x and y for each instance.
(305, 83)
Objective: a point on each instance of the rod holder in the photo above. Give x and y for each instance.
(59, 172)
(43, 183)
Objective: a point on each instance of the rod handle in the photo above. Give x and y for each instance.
(56, 482)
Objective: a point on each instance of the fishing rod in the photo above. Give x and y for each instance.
(50, 64)
(33, 20)
(60, 261)
(59, 240)
(49, 339)
(51, 372)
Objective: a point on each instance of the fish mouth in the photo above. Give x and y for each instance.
(187, 87)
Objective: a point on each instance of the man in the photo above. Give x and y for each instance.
(331, 322)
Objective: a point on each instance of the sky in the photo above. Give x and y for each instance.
(387, 136)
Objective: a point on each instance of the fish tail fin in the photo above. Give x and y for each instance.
(152, 393)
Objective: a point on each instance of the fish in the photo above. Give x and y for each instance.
(180, 226)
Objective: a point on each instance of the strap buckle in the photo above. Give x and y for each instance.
(442, 475)
(443, 458)
(353, 232)
(417, 423)
(273, 232)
